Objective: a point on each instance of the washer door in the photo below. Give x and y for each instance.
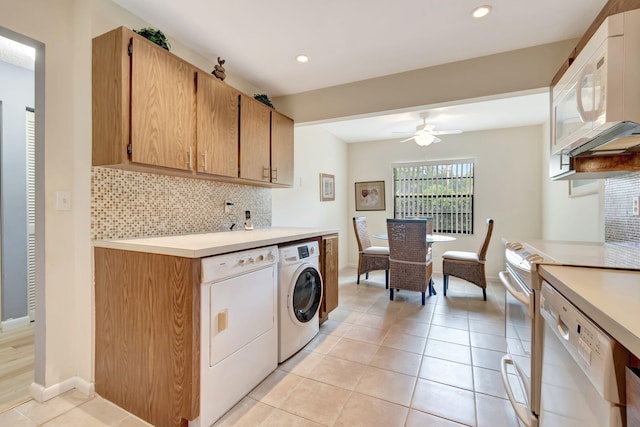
(305, 294)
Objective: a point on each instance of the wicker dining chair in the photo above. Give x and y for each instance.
(370, 258)
(467, 265)
(410, 264)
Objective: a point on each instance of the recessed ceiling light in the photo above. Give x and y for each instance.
(302, 58)
(481, 11)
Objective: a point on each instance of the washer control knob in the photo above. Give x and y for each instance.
(260, 258)
(241, 261)
(251, 260)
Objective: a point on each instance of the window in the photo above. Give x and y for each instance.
(442, 190)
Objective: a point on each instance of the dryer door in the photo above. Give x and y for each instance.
(305, 294)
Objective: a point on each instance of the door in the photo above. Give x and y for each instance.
(31, 214)
(281, 149)
(305, 294)
(255, 123)
(163, 102)
(217, 134)
(242, 310)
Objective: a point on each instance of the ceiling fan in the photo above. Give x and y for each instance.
(426, 134)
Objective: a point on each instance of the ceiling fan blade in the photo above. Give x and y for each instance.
(395, 131)
(436, 139)
(446, 132)
(405, 140)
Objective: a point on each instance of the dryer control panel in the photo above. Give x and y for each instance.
(220, 267)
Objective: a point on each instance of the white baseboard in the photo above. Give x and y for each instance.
(10, 324)
(42, 394)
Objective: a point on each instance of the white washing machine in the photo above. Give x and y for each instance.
(299, 297)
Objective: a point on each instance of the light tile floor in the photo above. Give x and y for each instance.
(392, 363)
(375, 363)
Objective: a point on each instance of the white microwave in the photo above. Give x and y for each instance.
(598, 97)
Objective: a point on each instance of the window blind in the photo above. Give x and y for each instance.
(441, 190)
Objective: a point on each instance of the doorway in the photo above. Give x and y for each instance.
(20, 214)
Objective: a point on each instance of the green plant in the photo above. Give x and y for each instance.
(155, 36)
(264, 99)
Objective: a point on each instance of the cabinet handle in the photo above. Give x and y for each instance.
(189, 159)
(274, 174)
(204, 158)
(265, 173)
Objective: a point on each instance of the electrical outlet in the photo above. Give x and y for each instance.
(636, 206)
(63, 200)
(228, 205)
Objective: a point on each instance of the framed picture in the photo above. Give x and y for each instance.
(327, 187)
(370, 196)
(582, 187)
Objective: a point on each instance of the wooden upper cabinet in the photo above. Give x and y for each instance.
(255, 129)
(154, 112)
(143, 96)
(217, 129)
(163, 107)
(281, 149)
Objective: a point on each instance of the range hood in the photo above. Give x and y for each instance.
(612, 153)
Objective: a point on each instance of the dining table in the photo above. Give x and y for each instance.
(431, 238)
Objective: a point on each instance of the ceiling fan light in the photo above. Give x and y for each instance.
(424, 140)
(481, 11)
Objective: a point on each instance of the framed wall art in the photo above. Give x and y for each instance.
(370, 196)
(327, 187)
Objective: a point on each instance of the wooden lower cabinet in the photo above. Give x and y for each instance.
(147, 349)
(329, 271)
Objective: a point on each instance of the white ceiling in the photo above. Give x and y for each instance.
(521, 110)
(16, 53)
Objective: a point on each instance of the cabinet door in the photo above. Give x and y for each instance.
(281, 149)
(163, 102)
(217, 135)
(329, 267)
(255, 135)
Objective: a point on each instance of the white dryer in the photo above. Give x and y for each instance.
(299, 297)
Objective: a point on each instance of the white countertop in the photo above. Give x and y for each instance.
(207, 244)
(611, 298)
(591, 254)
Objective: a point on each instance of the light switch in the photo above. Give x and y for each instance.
(636, 206)
(63, 200)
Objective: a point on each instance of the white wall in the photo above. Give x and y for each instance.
(507, 185)
(316, 151)
(569, 218)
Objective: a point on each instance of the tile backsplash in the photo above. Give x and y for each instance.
(127, 204)
(620, 226)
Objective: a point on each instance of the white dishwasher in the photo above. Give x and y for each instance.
(582, 368)
(239, 332)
